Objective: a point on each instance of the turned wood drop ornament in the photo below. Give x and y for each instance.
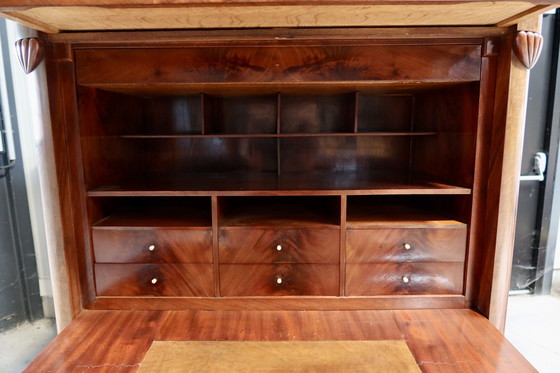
(30, 53)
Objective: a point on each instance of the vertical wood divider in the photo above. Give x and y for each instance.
(343, 208)
(202, 115)
(278, 124)
(356, 110)
(215, 247)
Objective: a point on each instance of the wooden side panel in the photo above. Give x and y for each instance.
(449, 155)
(404, 245)
(279, 246)
(152, 246)
(278, 279)
(290, 64)
(404, 278)
(164, 280)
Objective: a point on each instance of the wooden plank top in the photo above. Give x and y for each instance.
(440, 340)
(74, 15)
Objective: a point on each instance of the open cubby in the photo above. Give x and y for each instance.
(407, 211)
(320, 211)
(381, 142)
(168, 212)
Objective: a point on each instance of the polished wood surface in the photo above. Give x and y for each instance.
(152, 246)
(278, 64)
(279, 246)
(164, 280)
(279, 279)
(55, 16)
(459, 340)
(405, 245)
(331, 356)
(404, 278)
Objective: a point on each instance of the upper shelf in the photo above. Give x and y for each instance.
(54, 16)
(271, 184)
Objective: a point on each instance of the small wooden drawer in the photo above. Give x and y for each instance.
(406, 245)
(279, 279)
(146, 245)
(404, 278)
(164, 280)
(240, 245)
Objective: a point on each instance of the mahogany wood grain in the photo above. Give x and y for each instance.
(280, 212)
(317, 114)
(465, 343)
(365, 212)
(152, 246)
(154, 213)
(404, 278)
(163, 280)
(250, 245)
(459, 340)
(240, 115)
(272, 64)
(390, 245)
(385, 112)
(278, 279)
(279, 303)
(73, 278)
(101, 341)
(476, 252)
(248, 183)
(453, 114)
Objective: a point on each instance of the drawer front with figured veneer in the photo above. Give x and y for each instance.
(239, 245)
(404, 278)
(279, 279)
(404, 245)
(164, 280)
(139, 245)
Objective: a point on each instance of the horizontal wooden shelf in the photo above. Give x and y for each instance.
(271, 184)
(236, 89)
(276, 135)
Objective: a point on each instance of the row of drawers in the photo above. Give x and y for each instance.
(279, 279)
(269, 262)
(320, 246)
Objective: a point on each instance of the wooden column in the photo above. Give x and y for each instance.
(509, 190)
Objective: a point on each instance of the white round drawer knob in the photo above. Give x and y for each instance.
(154, 281)
(278, 280)
(405, 279)
(279, 247)
(152, 247)
(407, 246)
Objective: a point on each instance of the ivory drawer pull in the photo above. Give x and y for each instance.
(279, 247)
(405, 279)
(152, 247)
(154, 281)
(407, 246)
(279, 280)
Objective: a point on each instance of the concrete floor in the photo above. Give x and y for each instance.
(533, 326)
(22, 344)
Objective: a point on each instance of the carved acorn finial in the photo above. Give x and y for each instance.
(528, 47)
(30, 52)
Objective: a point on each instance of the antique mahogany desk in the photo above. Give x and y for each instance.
(283, 170)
